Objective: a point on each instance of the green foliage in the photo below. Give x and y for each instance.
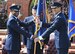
(48, 1)
(32, 3)
(0, 1)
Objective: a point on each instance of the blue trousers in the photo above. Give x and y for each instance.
(38, 50)
(62, 51)
(13, 52)
(30, 51)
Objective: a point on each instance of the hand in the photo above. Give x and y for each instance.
(33, 36)
(20, 16)
(46, 47)
(36, 39)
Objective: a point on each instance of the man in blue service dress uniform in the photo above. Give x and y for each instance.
(13, 43)
(59, 25)
(31, 30)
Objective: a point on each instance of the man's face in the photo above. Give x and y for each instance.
(56, 10)
(16, 13)
(34, 12)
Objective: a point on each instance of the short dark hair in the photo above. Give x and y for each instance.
(35, 7)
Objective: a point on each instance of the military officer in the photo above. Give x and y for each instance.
(59, 25)
(31, 30)
(13, 44)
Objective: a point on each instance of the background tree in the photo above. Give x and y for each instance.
(0, 1)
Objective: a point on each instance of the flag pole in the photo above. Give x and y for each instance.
(37, 29)
(34, 47)
(35, 2)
